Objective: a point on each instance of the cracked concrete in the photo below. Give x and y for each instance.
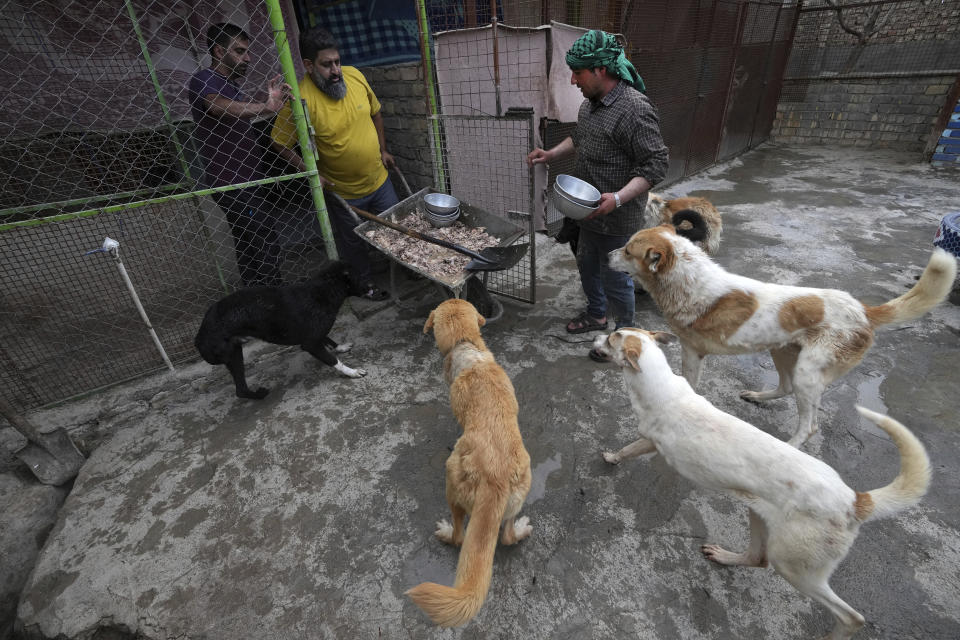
(308, 514)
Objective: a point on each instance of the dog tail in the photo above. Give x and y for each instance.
(697, 229)
(910, 484)
(454, 606)
(932, 288)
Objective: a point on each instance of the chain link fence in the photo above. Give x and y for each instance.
(97, 141)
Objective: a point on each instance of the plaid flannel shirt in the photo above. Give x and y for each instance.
(618, 138)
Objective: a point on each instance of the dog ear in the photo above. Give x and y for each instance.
(632, 347)
(654, 258)
(663, 337)
(480, 319)
(429, 323)
(632, 357)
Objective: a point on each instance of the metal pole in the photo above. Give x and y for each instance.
(439, 176)
(112, 247)
(116, 208)
(300, 120)
(184, 165)
(496, 54)
(158, 90)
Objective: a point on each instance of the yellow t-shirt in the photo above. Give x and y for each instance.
(347, 143)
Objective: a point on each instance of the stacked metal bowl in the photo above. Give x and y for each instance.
(442, 210)
(575, 198)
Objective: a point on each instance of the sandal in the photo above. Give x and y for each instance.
(596, 356)
(375, 293)
(583, 323)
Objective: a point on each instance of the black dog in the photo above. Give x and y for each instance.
(300, 314)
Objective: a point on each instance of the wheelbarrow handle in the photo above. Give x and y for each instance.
(402, 179)
(412, 233)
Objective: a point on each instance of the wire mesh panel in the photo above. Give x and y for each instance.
(486, 166)
(99, 138)
(847, 39)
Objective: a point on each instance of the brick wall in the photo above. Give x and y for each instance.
(401, 91)
(867, 112)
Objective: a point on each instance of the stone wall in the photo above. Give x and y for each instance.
(869, 112)
(881, 79)
(401, 91)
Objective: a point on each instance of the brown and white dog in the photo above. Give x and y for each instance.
(814, 335)
(803, 517)
(488, 473)
(659, 211)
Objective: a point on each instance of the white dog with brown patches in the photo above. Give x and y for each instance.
(803, 517)
(814, 335)
(488, 473)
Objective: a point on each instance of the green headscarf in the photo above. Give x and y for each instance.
(600, 49)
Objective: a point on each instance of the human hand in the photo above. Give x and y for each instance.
(537, 156)
(278, 92)
(387, 160)
(324, 182)
(607, 204)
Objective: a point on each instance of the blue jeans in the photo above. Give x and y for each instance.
(601, 284)
(351, 247)
(378, 201)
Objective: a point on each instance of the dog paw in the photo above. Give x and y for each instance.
(344, 370)
(343, 348)
(257, 394)
(718, 554)
(750, 396)
(612, 458)
(444, 532)
(522, 528)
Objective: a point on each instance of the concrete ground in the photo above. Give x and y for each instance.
(308, 514)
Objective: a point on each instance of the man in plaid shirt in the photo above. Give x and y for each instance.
(620, 152)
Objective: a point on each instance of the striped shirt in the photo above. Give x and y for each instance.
(618, 138)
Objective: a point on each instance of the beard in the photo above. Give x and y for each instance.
(336, 89)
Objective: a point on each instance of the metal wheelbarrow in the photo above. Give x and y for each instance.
(466, 284)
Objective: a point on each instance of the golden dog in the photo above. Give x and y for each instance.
(488, 473)
(814, 335)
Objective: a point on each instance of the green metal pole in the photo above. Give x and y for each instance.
(184, 165)
(118, 208)
(300, 120)
(86, 202)
(158, 90)
(439, 175)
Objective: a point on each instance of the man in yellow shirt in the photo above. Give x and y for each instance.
(348, 132)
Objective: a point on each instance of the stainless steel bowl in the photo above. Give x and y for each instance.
(442, 219)
(570, 208)
(441, 203)
(578, 190)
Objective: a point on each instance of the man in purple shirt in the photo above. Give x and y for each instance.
(231, 148)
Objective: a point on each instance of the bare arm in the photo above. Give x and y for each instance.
(277, 94)
(292, 157)
(385, 156)
(608, 202)
(562, 150)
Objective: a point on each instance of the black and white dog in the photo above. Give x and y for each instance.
(300, 314)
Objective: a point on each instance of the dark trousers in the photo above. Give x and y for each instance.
(256, 243)
(352, 248)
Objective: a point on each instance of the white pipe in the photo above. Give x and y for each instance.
(112, 247)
